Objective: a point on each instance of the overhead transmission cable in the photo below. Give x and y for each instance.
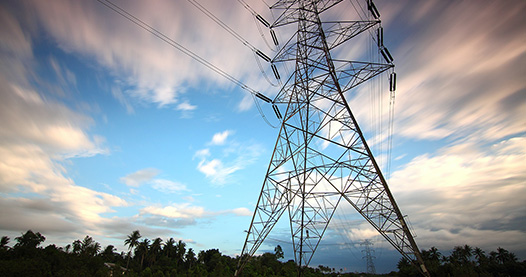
(187, 52)
(256, 51)
(391, 122)
(371, 12)
(266, 4)
(224, 26)
(175, 44)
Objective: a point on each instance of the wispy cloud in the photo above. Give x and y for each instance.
(462, 79)
(119, 95)
(189, 211)
(168, 186)
(184, 211)
(139, 177)
(241, 212)
(235, 156)
(39, 134)
(147, 176)
(216, 170)
(156, 72)
(185, 106)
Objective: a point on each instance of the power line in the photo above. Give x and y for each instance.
(240, 38)
(223, 25)
(189, 53)
(175, 44)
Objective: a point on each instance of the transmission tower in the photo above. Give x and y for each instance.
(368, 256)
(321, 157)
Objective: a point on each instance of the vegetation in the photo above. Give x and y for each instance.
(467, 261)
(145, 257)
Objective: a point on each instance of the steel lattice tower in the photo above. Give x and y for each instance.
(321, 157)
(368, 256)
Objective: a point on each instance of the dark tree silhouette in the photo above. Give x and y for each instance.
(132, 241)
(3, 243)
(169, 248)
(153, 258)
(142, 250)
(29, 240)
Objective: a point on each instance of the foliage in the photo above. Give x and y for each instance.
(467, 261)
(169, 257)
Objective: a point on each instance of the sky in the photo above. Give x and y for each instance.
(106, 129)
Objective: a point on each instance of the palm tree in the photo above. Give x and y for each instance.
(3, 243)
(155, 249)
(180, 251)
(504, 256)
(461, 254)
(467, 253)
(480, 256)
(109, 253)
(169, 248)
(132, 241)
(142, 249)
(190, 258)
(77, 246)
(89, 247)
(30, 239)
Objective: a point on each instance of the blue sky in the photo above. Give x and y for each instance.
(106, 129)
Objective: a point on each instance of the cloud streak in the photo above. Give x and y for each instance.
(139, 177)
(189, 211)
(156, 72)
(147, 176)
(38, 134)
(462, 80)
(465, 195)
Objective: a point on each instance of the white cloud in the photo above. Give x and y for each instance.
(147, 176)
(168, 186)
(216, 171)
(463, 79)
(209, 168)
(117, 94)
(39, 133)
(29, 169)
(203, 153)
(246, 103)
(242, 212)
(184, 211)
(139, 177)
(235, 157)
(220, 138)
(466, 193)
(28, 117)
(155, 71)
(189, 211)
(186, 106)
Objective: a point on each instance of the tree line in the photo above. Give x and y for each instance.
(145, 257)
(467, 261)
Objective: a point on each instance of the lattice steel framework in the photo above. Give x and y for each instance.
(368, 256)
(321, 157)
